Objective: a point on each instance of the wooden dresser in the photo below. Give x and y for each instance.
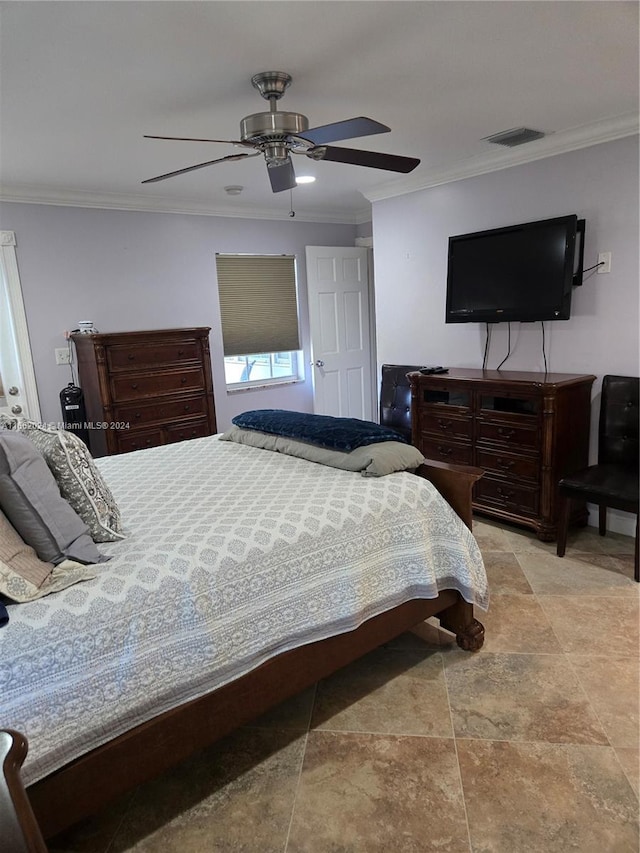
(143, 389)
(525, 430)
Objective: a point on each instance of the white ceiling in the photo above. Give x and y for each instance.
(81, 82)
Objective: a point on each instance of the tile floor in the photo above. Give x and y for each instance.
(529, 745)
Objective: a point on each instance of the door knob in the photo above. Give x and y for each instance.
(13, 391)
(319, 362)
(16, 410)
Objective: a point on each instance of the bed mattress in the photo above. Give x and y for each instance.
(233, 555)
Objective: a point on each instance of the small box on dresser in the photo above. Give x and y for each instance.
(145, 388)
(525, 430)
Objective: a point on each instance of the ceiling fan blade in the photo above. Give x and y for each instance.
(373, 159)
(191, 139)
(199, 166)
(281, 175)
(348, 129)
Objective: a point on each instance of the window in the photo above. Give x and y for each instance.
(259, 313)
(261, 368)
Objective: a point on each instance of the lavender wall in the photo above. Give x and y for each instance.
(130, 270)
(411, 233)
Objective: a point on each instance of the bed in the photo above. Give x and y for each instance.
(245, 576)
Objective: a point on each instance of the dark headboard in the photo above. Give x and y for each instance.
(395, 397)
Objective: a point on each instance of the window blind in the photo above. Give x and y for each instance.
(258, 303)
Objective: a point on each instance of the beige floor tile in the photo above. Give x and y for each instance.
(625, 564)
(236, 796)
(613, 689)
(517, 623)
(537, 798)
(489, 536)
(522, 541)
(594, 625)
(571, 575)
(504, 573)
(630, 762)
(363, 793)
(519, 697)
(388, 691)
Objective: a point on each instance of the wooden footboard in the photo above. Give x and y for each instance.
(86, 785)
(454, 482)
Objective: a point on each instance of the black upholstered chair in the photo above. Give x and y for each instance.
(395, 397)
(613, 482)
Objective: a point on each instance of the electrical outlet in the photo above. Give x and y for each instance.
(604, 258)
(63, 356)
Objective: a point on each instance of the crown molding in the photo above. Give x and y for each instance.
(28, 194)
(553, 144)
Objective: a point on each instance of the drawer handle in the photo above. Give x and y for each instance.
(506, 432)
(134, 385)
(506, 466)
(183, 380)
(131, 356)
(444, 451)
(507, 494)
(138, 415)
(444, 425)
(180, 352)
(148, 441)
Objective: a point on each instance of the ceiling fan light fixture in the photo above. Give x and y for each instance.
(305, 179)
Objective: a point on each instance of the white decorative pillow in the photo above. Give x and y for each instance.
(78, 479)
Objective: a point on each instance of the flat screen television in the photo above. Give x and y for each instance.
(520, 273)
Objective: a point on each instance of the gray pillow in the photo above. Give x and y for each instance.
(372, 460)
(31, 500)
(78, 479)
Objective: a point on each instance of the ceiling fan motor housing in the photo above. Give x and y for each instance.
(268, 127)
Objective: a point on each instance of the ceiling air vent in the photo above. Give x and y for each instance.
(515, 136)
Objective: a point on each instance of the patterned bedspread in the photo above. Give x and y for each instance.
(233, 555)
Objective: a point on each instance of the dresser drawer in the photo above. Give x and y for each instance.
(509, 465)
(505, 495)
(137, 356)
(507, 434)
(138, 386)
(183, 432)
(441, 423)
(137, 440)
(446, 451)
(140, 413)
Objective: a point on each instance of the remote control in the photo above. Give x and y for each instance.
(439, 369)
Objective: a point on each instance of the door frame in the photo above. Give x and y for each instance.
(367, 243)
(10, 282)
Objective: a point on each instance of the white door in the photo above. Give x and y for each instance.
(339, 316)
(18, 394)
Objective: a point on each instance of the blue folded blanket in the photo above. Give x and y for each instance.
(337, 433)
(4, 616)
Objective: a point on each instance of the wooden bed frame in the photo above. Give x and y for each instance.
(86, 785)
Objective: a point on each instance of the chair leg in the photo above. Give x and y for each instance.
(636, 566)
(602, 519)
(563, 523)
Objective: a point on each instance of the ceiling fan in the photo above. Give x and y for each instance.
(277, 135)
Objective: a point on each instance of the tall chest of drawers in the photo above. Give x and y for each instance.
(525, 430)
(146, 388)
